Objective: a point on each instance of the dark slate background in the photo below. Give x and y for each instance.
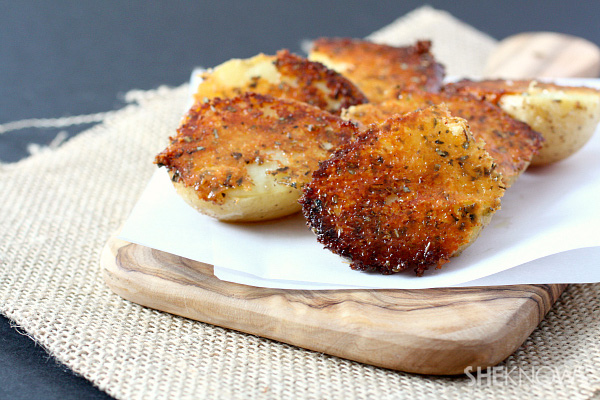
(63, 58)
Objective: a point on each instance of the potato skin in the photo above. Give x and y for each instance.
(381, 71)
(511, 143)
(245, 158)
(407, 194)
(566, 116)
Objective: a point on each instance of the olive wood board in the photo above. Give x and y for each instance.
(427, 331)
(543, 55)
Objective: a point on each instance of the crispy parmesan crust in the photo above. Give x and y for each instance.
(295, 78)
(493, 90)
(490, 90)
(511, 143)
(381, 71)
(407, 194)
(310, 75)
(220, 138)
(565, 116)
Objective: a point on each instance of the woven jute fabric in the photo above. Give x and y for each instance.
(59, 207)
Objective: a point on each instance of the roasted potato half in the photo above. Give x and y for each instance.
(246, 158)
(283, 75)
(511, 143)
(380, 71)
(566, 116)
(407, 194)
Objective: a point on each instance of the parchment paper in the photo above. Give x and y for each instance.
(548, 227)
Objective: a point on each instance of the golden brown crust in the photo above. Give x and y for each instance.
(309, 75)
(381, 71)
(565, 116)
(511, 143)
(218, 139)
(493, 90)
(407, 194)
(490, 90)
(296, 78)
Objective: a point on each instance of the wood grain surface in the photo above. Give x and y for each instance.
(544, 55)
(432, 331)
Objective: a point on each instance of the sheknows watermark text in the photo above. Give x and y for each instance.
(519, 376)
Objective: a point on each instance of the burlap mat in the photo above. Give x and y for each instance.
(59, 207)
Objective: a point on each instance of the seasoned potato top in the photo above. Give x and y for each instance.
(566, 116)
(219, 138)
(408, 193)
(511, 143)
(284, 75)
(381, 71)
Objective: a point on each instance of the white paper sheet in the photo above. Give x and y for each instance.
(563, 267)
(549, 225)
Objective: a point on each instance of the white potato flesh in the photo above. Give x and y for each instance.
(267, 198)
(566, 118)
(238, 73)
(324, 59)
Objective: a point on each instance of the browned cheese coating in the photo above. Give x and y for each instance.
(381, 71)
(511, 143)
(493, 90)
(490, 90)
(565, 116)
(407, 194)
(285, 75)
(219, 138)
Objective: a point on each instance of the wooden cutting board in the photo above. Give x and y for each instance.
(433, 331)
